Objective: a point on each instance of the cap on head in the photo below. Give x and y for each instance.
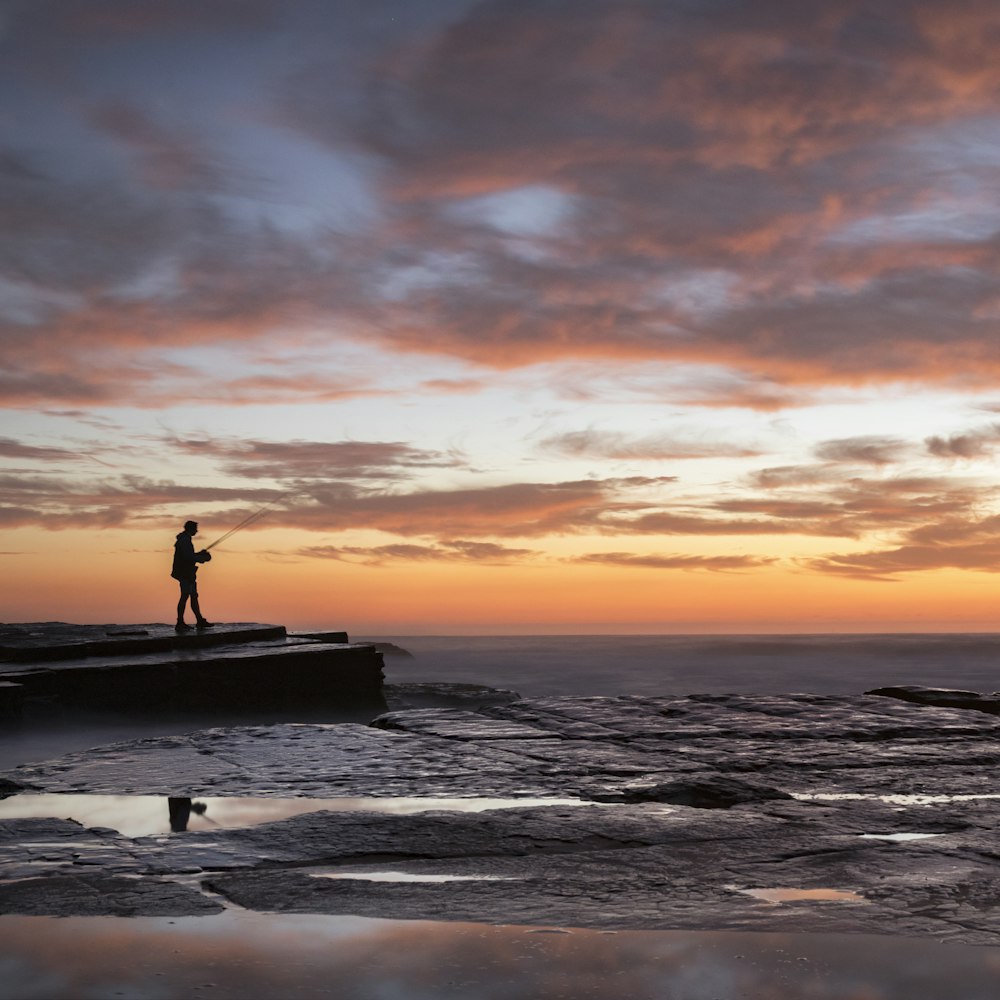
(190, 524)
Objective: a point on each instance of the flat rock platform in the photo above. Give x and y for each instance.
(152, 667)
(800, 812)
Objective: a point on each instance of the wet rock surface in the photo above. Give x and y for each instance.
(444, 695)
(942, 697)
(710, 793)
(56, 867)
(604, 749)
(654, 870)
(39, 642)
(695, 812)
(96, 894)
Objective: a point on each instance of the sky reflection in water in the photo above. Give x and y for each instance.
(147, 815)
(244, 955)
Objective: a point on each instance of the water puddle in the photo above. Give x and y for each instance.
(411, 877)
(151, 815)
(899, 837)
(799, 895)
(238, 954)
(901, 800)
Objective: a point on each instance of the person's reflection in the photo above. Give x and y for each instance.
(180, 812)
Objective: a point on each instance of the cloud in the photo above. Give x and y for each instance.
(732, 146)
(824, 505)
(675, 384)
(9, 448)
(886, 564)
(167, 158)
(715, 563)
(318, 460)
(798, 201)
(655, 447)
(868, 449)
(486, 553)
(785, 476)
(972, 445)
(58, 503)
(357, 485)
(102, 277)
(508, 510)
(669, 522)
(454, 385)
(327, 497)
(153, 384)
(958, 539)
(76, 18)
(827, 500)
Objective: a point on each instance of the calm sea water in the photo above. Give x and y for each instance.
(700, 664)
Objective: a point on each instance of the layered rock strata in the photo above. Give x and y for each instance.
(153, 668)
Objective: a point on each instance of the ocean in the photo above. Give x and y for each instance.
(699, 664)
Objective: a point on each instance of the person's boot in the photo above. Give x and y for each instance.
(205, 623)
(182, 627)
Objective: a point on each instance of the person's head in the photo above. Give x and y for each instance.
(191, 527)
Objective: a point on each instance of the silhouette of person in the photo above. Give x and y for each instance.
(180, 810)
(185, 572)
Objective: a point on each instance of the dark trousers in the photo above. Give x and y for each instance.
(189, 592)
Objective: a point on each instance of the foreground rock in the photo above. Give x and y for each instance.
(153, 668)
(942, 697)
(711, 793)
(639, 866)
(890, 859)
(603, 749)
(56, 867)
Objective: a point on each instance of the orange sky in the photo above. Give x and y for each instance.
(88, 584)
(615, 316)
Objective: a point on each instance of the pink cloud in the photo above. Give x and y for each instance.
(869, 449)
(486, 553)
(759, 192)
(318, 460)
(609, 444)
(10, 448)
(714, 563)
(974, 444)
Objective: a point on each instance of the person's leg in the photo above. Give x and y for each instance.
(182, 604)
(202, 622)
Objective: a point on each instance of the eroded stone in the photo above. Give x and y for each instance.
(942, 697)
(96, 894)
(641, 865)
(709, 793)
(598, 748)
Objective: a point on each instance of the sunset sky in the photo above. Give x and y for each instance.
(528, 315)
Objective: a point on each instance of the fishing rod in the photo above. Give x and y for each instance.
(248, 520)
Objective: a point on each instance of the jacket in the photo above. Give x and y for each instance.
(185, 565)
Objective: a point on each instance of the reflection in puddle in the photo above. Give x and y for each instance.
(899, 837)
(797, 895)
(237, 954)
(411, 877)
(901, 800)
(149, 815)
